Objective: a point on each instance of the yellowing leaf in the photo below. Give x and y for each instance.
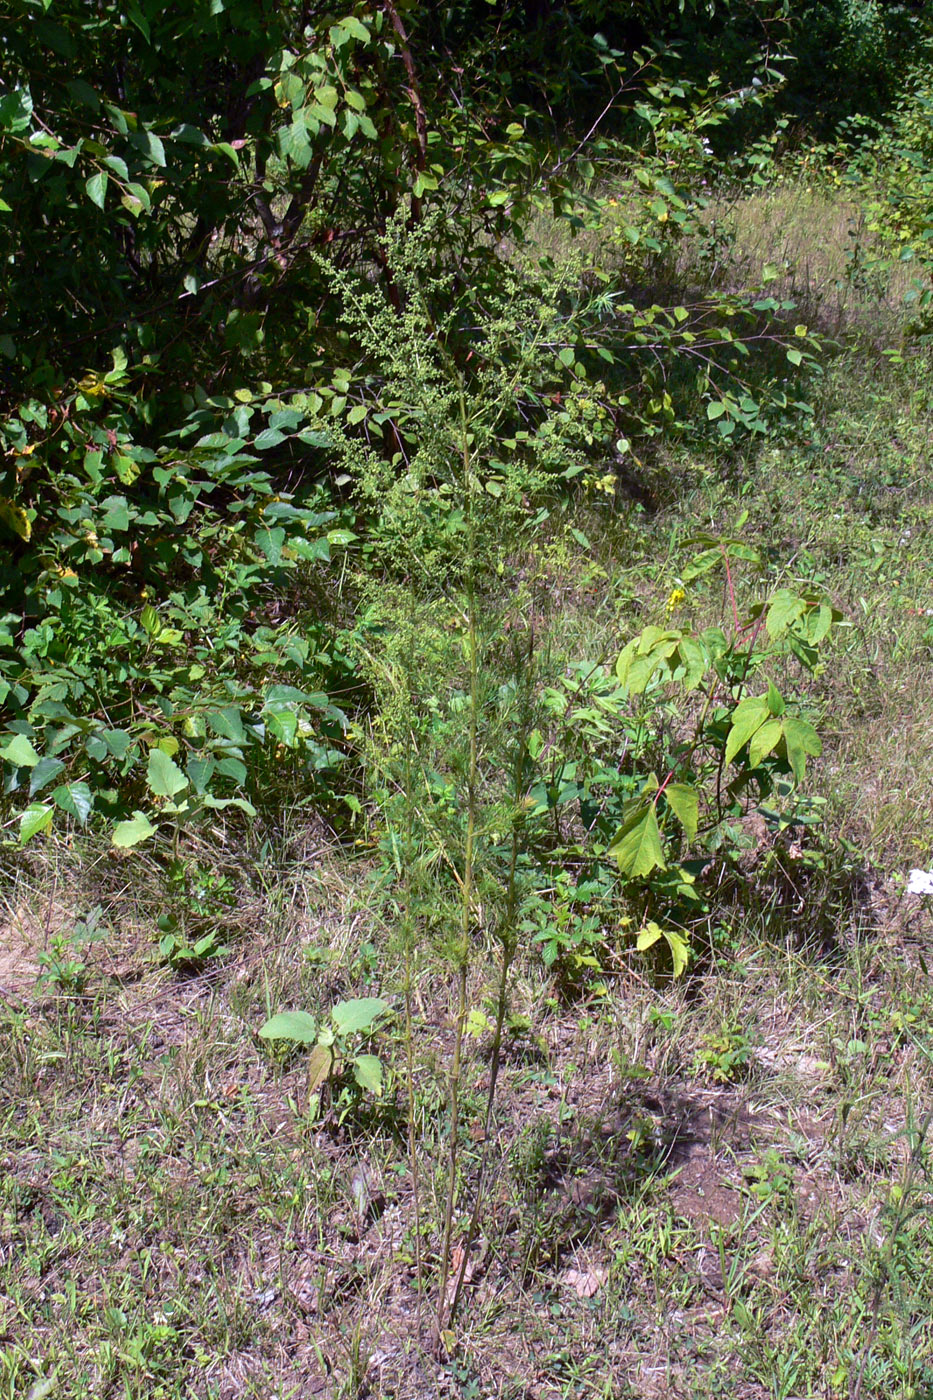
(15, 518)
(320, 1065)
(675, 941)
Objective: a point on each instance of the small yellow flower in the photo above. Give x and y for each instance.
(674, 601)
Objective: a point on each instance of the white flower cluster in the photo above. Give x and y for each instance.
(920, 882)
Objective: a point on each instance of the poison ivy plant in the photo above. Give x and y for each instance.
(742, 744)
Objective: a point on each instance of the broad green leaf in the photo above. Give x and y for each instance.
(282, 725)
(636, 847)
(36, 818)
(228, 723)
(116, 514)
(16, 110)
(118, 741)
(785, 608)
(269, 437)
(97, 188)
(233, 768)
(648, 936)
(297, 1026)
(367, 1071)
(356, 28)
(19, 751)
(775, 701)
(149, 621)
(76, 799)
(800, 739)
(84, 93)
(693, 659)
(683, 801)
(200, 772)
(764, 740)
(747, 717)
(270, 543)
(131, 832)
(43, 773)
(819, 621)
(354, 1016)
(220, 804)
(163, 776)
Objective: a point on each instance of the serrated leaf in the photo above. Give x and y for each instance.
(228, 724)
(367, 1071)
(351, 1017)
(800, 739)
(164, 778)
(269, 437)
(19, 751)
(36, 818)
(747, 717)
(300, 1027)
(131, 832)
(684, 802)
(636, 847)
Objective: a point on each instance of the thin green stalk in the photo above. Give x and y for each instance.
(466, 889)
(509, 940)
(408, 934)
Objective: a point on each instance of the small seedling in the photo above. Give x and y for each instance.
(180, 952)
(332, 1054)
(61, 963)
